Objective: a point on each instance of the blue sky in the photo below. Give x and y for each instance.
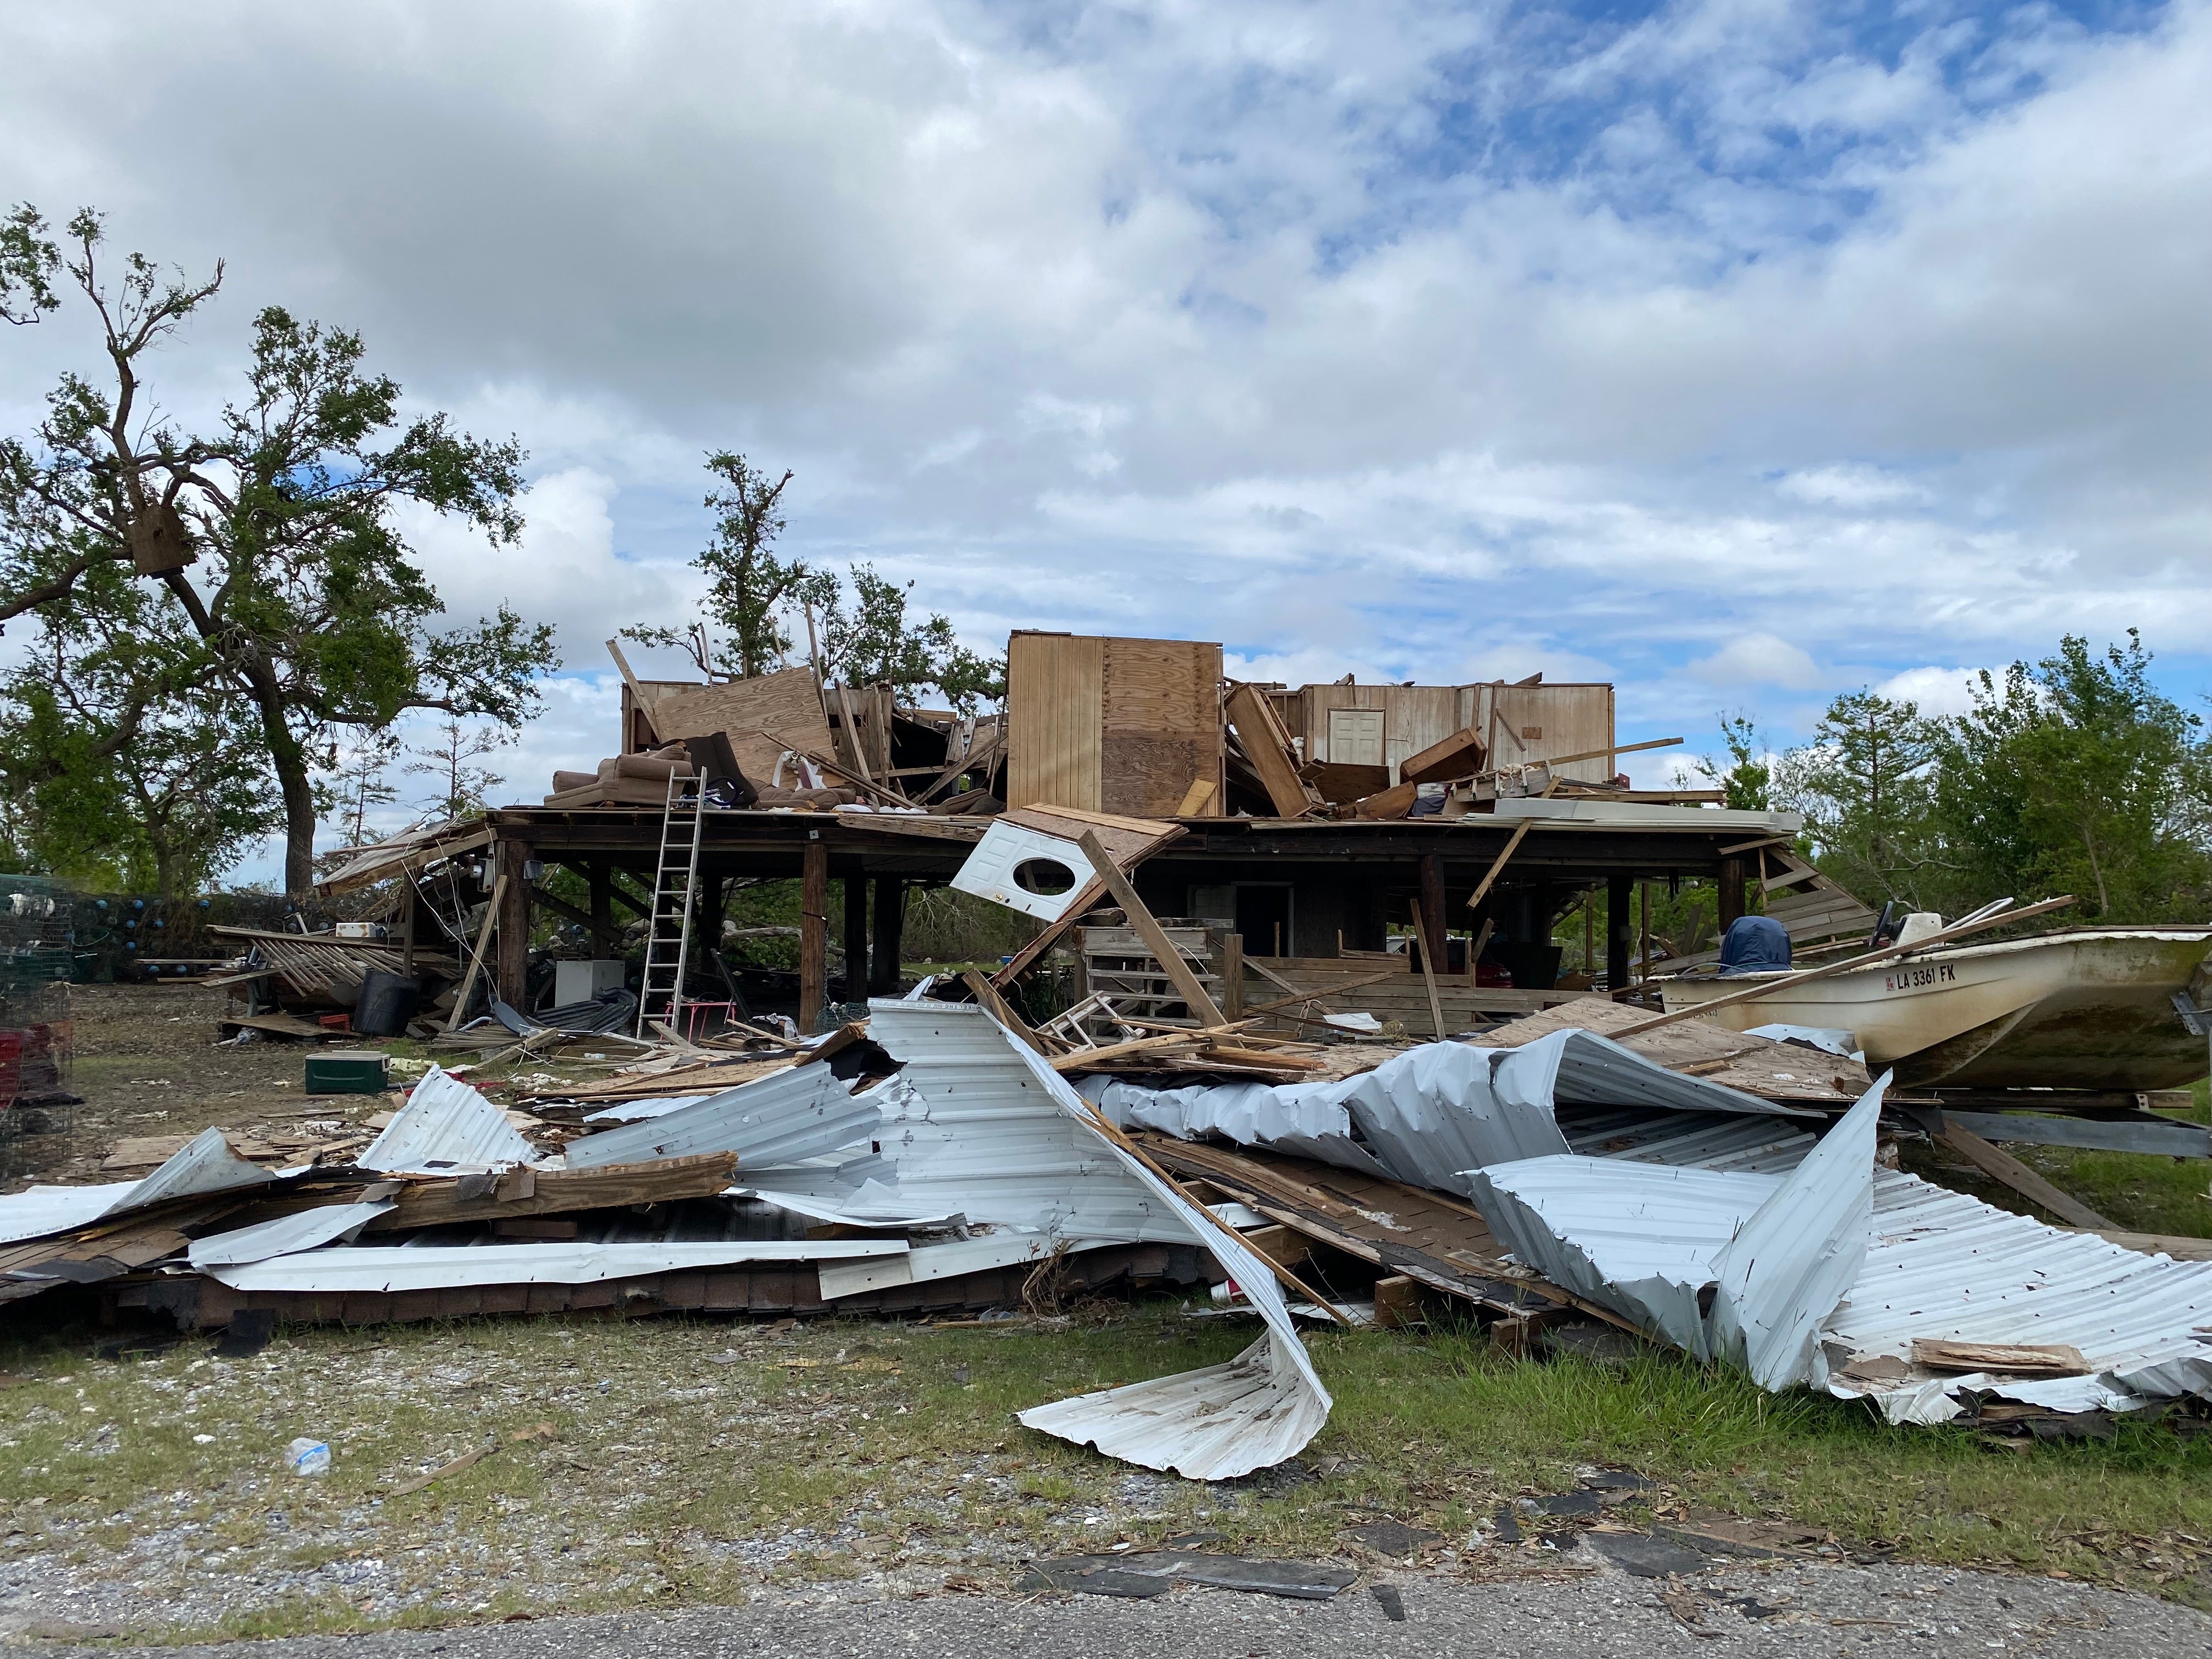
(1738, 351)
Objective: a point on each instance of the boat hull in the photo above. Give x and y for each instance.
(2089, 1008)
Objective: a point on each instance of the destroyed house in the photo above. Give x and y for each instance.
(1319, 836)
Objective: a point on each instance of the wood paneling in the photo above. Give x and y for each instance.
(1112, 724)
(1055, 717)
(784, 702)
(1568, 718)
(1160, 721)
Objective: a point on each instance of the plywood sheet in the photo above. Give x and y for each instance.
(784, 702)
(1056, 716)
(1160, 720)
(1565, 719)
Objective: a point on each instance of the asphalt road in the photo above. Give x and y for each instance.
(1797, 1610)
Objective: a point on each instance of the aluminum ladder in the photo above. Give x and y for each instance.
(668, 934)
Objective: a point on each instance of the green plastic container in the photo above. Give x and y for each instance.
(348, 1072)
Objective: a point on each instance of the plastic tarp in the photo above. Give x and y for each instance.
(1434, 1113)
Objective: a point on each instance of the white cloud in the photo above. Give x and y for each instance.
(1754, 660)
(1851, 486)
(1935, 690)
(1230, 322)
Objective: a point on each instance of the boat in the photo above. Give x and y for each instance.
(2073, 1008)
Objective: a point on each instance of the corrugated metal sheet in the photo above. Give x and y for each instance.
(286, 1235)
(970, 1132)
(424, 1267)
(446, 1128)
(1430, 1115)
(1701, 1140)
(1944, 1266)
(947, 1260)
(204, 1164)
(801, 1113)
(1730, 1266)
(986, 1126)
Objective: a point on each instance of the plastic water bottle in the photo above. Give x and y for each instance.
(308, 1457)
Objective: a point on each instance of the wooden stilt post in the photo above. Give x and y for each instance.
(813, 936)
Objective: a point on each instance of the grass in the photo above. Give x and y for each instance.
(710, 1465)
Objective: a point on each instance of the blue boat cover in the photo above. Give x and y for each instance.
(1753, 945)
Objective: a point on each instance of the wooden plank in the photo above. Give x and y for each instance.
(1429, 979)
(555, 1192)
(638, 698)
(996, 1006)
(476, 956)
(1163, 951)
(787, 703)
(1497, 865)
(1055, 711)
(1195, 799)
(2004, 1167)
(1459, 756)
(1268, 748)
(813, 936)
(2157, 1139)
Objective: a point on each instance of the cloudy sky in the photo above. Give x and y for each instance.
(1737, 351)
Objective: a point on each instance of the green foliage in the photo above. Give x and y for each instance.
(306, 613)
(1748, 777)
(860, 637)
(1864, 785)
(2079, 775)
(752, 590)
(2074, 774)
(871, 642)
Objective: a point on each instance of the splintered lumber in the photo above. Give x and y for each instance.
(997, 1006)
(1268, 748)
(1782, 1072)
(2004, 1167)
(2012, 1358)
(528, 1192)
(1458, 756)
(476, 957)
(1442, 1241)
(1194, 801)
(1498, 866)
(1149, 929)
(1392, 803)
(1976, 923)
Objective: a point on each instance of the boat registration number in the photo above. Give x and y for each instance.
(1911, 979)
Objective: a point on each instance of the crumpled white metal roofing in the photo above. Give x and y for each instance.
(1736, 1266)
(983, 1125)
(1942, 1264)
(437, 1266)
(204, 1164)
(287, 1234)
(446, 1128)
(968, 1131)
(801, 1113)
(924, 1262)
(1430, 1115)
